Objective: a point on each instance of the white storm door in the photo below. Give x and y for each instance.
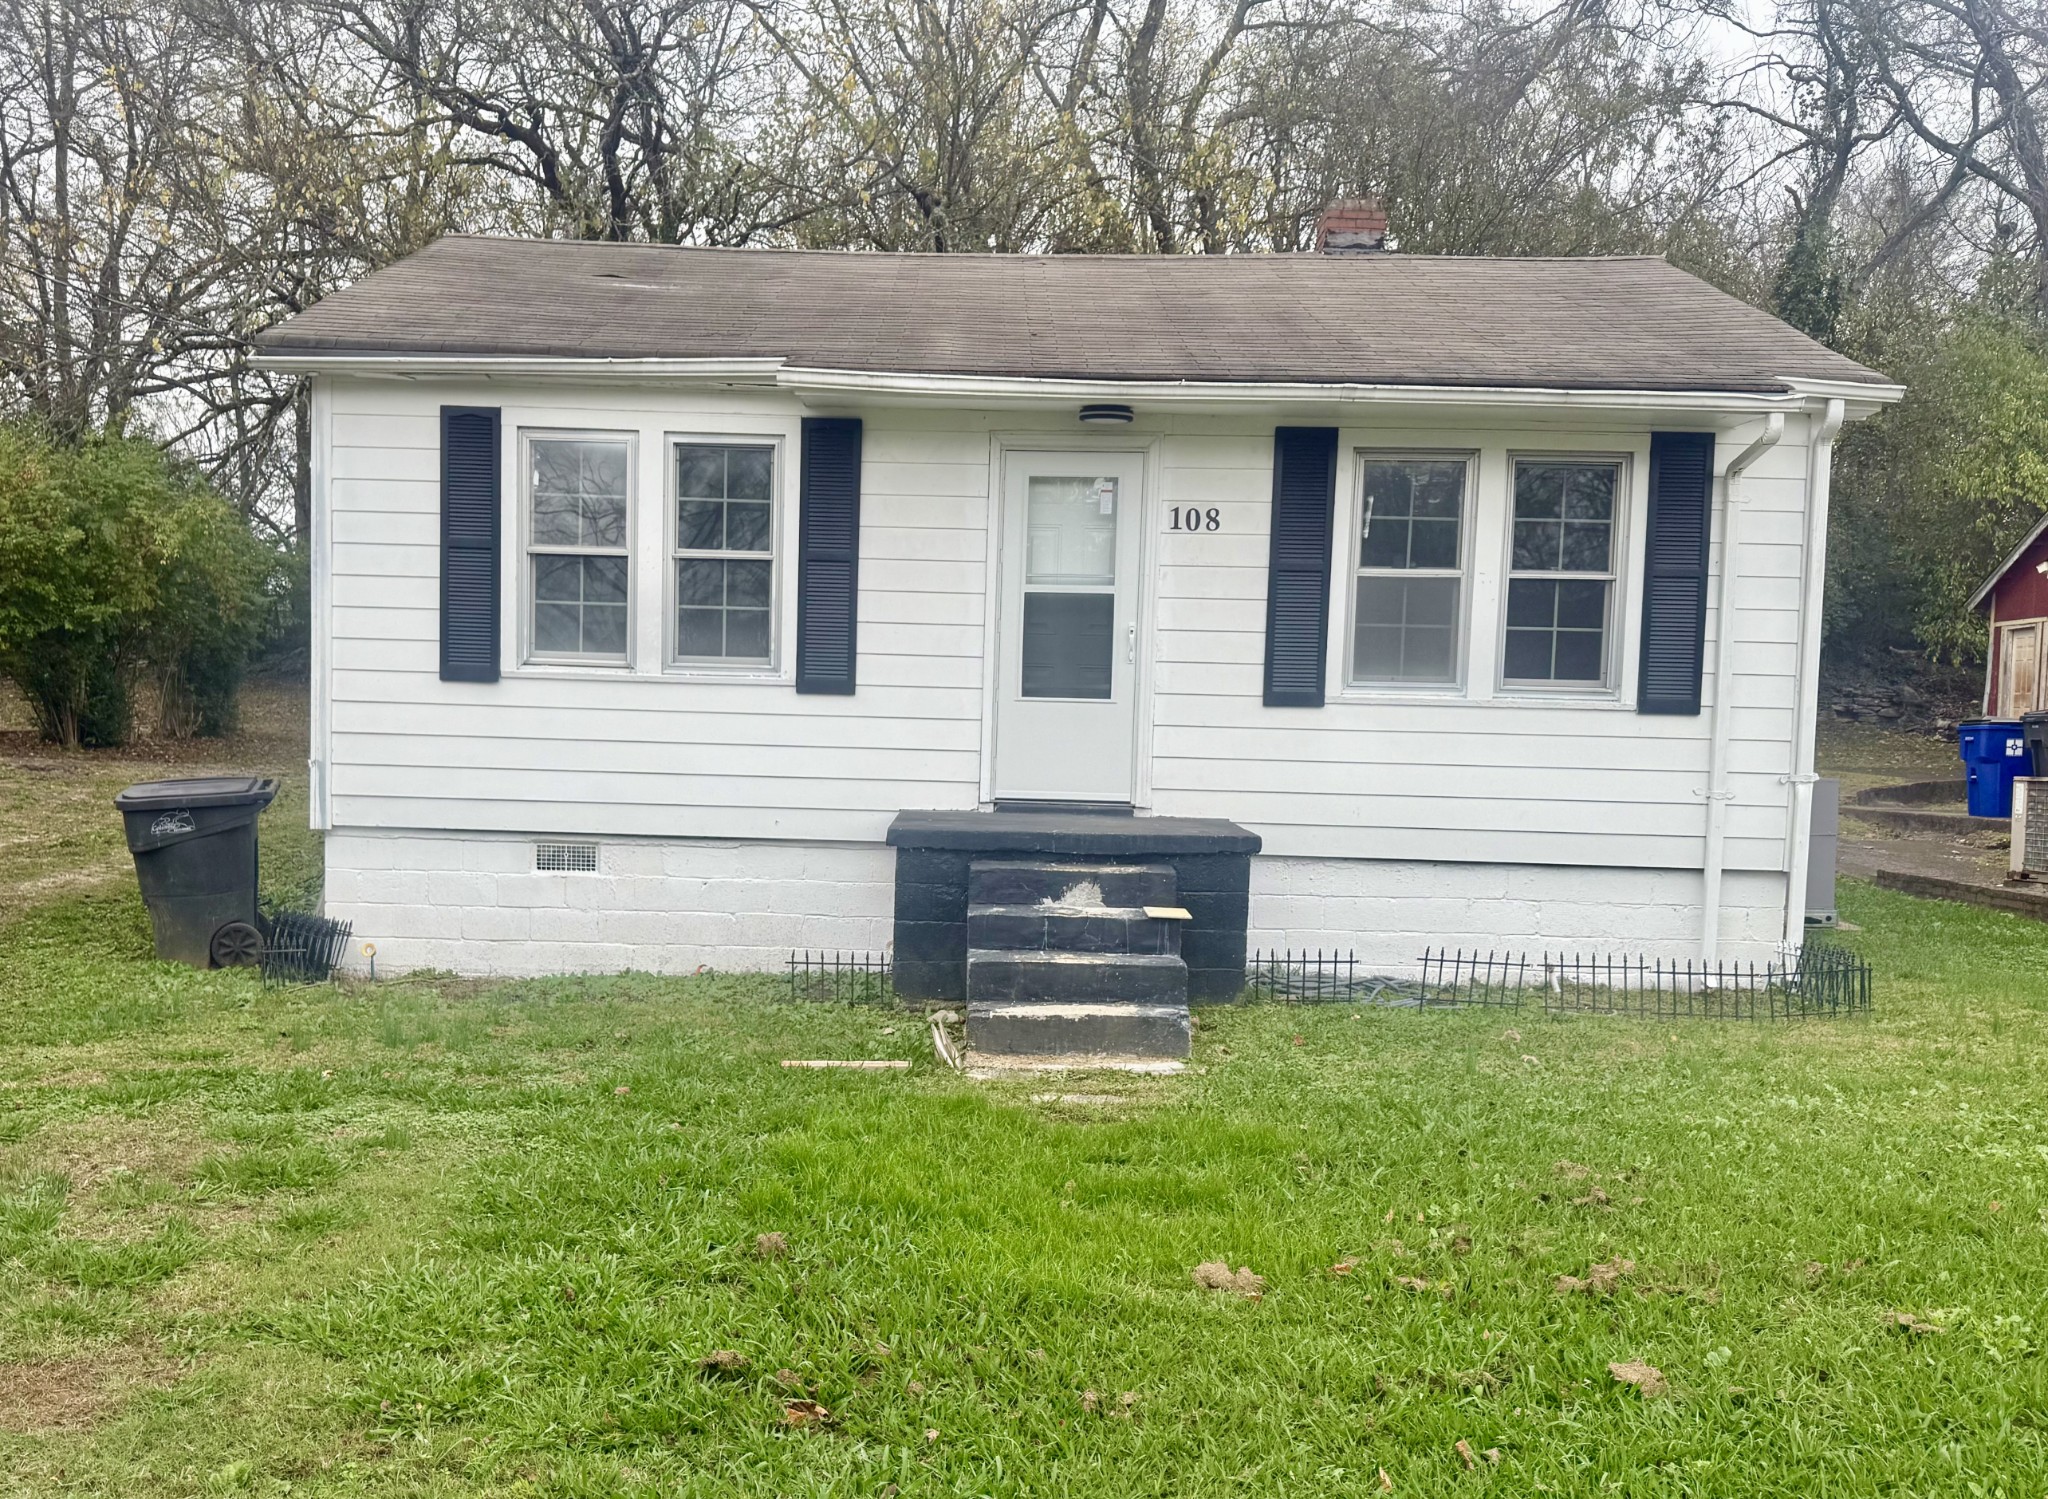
(1066, 697)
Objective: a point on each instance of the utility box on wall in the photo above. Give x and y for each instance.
(1825, 845)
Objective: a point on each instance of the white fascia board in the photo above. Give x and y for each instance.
(472, 366)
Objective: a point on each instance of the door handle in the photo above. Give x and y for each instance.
(1131, 644)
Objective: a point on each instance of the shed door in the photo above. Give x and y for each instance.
(2020, 672)
(1066, 701)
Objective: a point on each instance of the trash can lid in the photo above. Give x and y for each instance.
(198, 791)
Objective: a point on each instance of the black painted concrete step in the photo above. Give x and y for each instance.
(996, 977)
(1026, 882)
(1079, 1030)
(1092, 929)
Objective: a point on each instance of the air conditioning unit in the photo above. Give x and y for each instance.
(2029, 829)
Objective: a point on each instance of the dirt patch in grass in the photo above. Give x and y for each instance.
(76, 1393)
(91, 1151)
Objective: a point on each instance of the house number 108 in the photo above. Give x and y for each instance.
(1188, 518)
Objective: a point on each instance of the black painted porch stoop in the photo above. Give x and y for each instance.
(1037, 920)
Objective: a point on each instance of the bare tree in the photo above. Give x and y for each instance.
(1970, 80)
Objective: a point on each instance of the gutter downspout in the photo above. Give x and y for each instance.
(1820, 468)
(1718, 793)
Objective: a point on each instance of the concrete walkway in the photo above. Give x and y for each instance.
(1916, 838)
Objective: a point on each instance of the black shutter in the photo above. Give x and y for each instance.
(828, 559)
(1675, 572)
(470, 508)
(1298, 569)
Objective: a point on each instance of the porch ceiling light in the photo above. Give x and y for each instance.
(1105, 413)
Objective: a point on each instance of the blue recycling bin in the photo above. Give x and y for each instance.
(1994, 754)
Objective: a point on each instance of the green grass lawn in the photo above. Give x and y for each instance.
(451, 1238)
(447, 1238)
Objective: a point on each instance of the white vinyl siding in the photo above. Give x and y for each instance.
(1482, 775)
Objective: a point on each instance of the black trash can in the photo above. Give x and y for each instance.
(2035, 727)
(194, 843)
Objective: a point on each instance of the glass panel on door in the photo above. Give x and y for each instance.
(1069, 626)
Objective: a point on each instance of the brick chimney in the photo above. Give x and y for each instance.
(1352, 226)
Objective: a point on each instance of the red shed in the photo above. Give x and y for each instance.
(2016, 673)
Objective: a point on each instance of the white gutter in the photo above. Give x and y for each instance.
(1724, 686)
(843, 385)
(955, 389)
(1820, 468)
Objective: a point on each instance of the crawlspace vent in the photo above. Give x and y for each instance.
(565, 858)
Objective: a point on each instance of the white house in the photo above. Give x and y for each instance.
(654, 584)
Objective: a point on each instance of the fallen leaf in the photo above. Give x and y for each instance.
(1301, 1041)
(1907, 1322)
(771, 1246)
(1390, 1215)
(1593, 1199)
(1413, 1283)
(1647, 1378)
(1090, 1400)
(1386, 1483)
(914, 1388)
(805, 1413)
(931, 1433)
(1996, 1207)
(789, 1379)
(1492, 1455)
(1511, 1034)
(1464, 1451)
(1216, 1275)
(1532, 1061)
(723, 1361)
(1345, 1266)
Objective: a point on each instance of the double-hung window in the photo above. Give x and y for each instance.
(1409, 609)
(724, 554)
(1561, 575)
(578, 511)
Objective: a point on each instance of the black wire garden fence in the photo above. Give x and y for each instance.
(303, 949)
(845, 978)
(1822, 980)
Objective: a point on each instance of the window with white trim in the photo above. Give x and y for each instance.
(578, 562)
(1561, 573)
(724, 554)
(1409, 595)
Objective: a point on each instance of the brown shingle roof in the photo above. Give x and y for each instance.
(1620, 323)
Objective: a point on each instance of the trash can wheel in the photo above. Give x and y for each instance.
(236, 945)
